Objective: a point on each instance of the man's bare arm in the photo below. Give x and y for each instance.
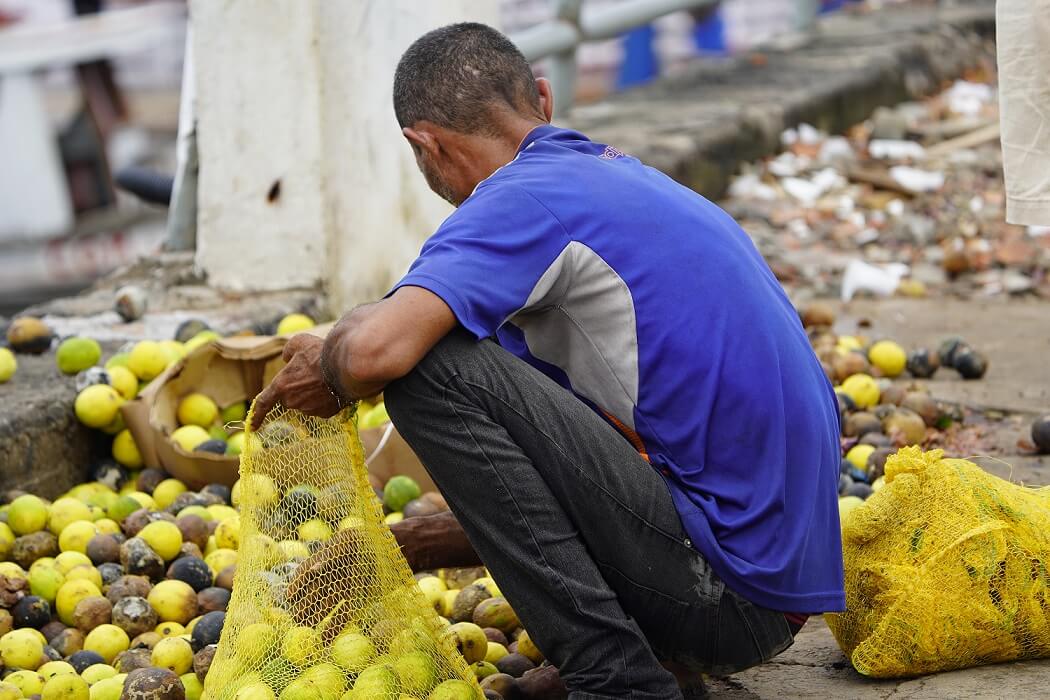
(375, 344)
(370, 347)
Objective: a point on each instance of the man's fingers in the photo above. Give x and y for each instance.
(262, 405)
(290, 348)
(298, 342)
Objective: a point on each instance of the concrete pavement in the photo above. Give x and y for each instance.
(816, 668)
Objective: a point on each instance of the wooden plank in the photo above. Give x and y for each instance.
(878, 178)
(971, 140)
(948, 129)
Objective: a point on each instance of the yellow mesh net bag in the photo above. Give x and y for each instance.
(324, 605)
(946, 567)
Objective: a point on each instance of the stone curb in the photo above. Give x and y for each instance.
(701, 126)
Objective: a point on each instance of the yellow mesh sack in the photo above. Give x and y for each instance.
(946, 567)
(324, 605)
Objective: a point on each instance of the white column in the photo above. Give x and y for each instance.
(299, 92)
(258, 130)
(34, 197)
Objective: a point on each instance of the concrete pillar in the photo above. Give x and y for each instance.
(305, 178)
(34, 197)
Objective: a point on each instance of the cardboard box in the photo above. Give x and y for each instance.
(231, 370)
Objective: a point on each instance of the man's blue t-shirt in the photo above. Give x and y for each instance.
(651, 303)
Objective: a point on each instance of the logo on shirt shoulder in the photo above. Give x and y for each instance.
(611, 153)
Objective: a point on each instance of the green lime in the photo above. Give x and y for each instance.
(77, 354)
(8, 364)
(122, 508)
(399, 491)
(234, 413)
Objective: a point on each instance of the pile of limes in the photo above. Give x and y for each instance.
(878, 415)
(131, 571)
(103, 388)
(123, 377)
(204, 427)
(125, 580)
(122, 583)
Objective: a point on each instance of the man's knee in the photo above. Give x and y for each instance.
(431, 374)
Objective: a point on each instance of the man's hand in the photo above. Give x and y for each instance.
(370, 347)
(299, 385)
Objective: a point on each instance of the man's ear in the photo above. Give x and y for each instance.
(422, 140)
(543, 86)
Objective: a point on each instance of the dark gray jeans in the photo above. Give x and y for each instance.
(578, 529)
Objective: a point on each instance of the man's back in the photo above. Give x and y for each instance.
(654, 307)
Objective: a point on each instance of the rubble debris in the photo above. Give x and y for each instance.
(912, 199)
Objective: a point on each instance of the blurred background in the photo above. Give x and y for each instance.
(90, 106)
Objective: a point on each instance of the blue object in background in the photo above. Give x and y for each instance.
(640, 64)
(710, 35)
(832, 5)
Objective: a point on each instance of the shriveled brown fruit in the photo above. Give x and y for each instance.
(134, 615)
(893, 395)
(28, 548)
(91, 612)
(420, 507)
(501, 683)
(849, 364)
(817, 313)
(68, 642)
(924, 405)
(202, 661)
(127, 586)
(859, 423)
(225, 577)
(132, 659)
(102, 549)
(543, 683)
(905, 426)
(139, 559)
(194, 529)
(153, 684)
(319, 588)
(7, 622)
(437, 499)
(148, 479)
(50, 630)
(12, 589)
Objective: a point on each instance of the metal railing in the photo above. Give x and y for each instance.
(572, 25)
